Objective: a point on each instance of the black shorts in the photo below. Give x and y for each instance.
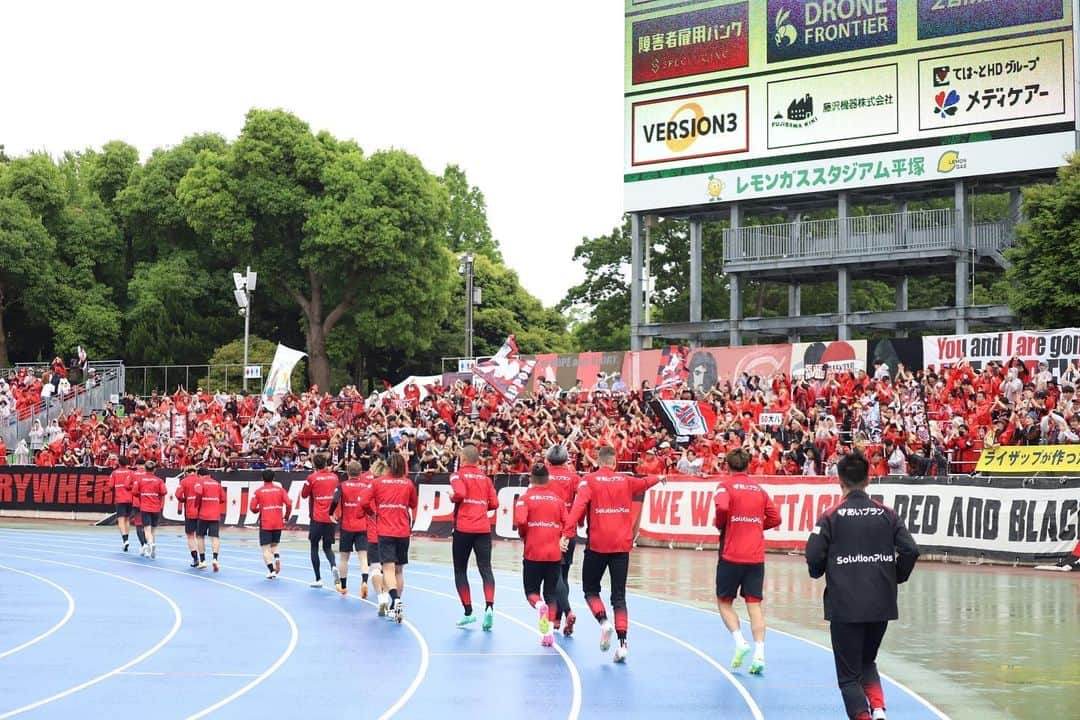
(123, 509)
(353, 541)
(394, 550)
(269, 537)
(150, 519)
(191, 525)
(321, 531)
(731, 577)
(208, 527)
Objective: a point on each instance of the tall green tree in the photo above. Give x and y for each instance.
(324, 225)
(603, 297)
(26, 271)
(174, 271)
(1044, 280)
(467, 226)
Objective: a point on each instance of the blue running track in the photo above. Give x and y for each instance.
(89, 631)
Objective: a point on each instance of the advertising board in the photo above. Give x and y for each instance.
(841, 94)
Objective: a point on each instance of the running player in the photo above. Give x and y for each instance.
(151, 500)
(273, 505)
(120, 481)
(607, 498)
(864, 551)
(539, 516)
(136, 509)
(353, 527)
(743, 513)
(563, 481)
(394, 500)
(473, 495)
(186, 497)
(378, 469)
(211, 498)
(319, 489)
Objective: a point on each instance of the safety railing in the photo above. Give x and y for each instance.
(861, 236)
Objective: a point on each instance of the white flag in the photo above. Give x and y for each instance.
(277, 382)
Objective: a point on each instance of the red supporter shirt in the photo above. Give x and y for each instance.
(563, 482)
(211, 499)
(393, 498)
(151, 493)
(121, 481)
(608, 499)
(744, 511)
(273, 505)
(353, 514)
(186, 493)
(539, 515)
(474, 495)
(320, 487)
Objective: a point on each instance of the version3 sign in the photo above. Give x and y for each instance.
(690, 126)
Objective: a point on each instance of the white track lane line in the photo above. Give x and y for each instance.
(575, 678)
(54, 628)
(918, 698)
(755, 710)
(294, 632)
(177, 621)
(425, 652)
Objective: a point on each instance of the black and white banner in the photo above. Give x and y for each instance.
(1028, 520)
(1014, 519)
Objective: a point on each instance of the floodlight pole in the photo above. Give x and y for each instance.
(468, 262)
(247, 323)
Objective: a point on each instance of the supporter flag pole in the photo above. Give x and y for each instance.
(277, 381)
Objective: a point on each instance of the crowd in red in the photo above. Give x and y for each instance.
(906, 422)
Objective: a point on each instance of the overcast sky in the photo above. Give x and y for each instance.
(525, 97)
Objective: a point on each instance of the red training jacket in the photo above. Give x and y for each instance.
(151, 493)
(186, 494)
(136, 500)
(211, 499)
(474, 495)
(121, 480)
(608, 498)
(320, 487)
(353, 514)
(273, 505)
(392, 499)
(539, 515)
(563, 481)
(744, 511)
(368, 481)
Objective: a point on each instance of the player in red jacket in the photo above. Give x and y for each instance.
(376, 471)
(211, 497)
(319, 489)
(353, 527)
(563, 481)
(744, 511)
(136, 509)
(186, 498)
(606, 498)
(539, 516)
(151, 501)
(273, 505)
(473, 495)
(393, 499)
(120, 481)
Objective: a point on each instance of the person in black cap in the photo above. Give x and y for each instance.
(563, 481)
(864, 550)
